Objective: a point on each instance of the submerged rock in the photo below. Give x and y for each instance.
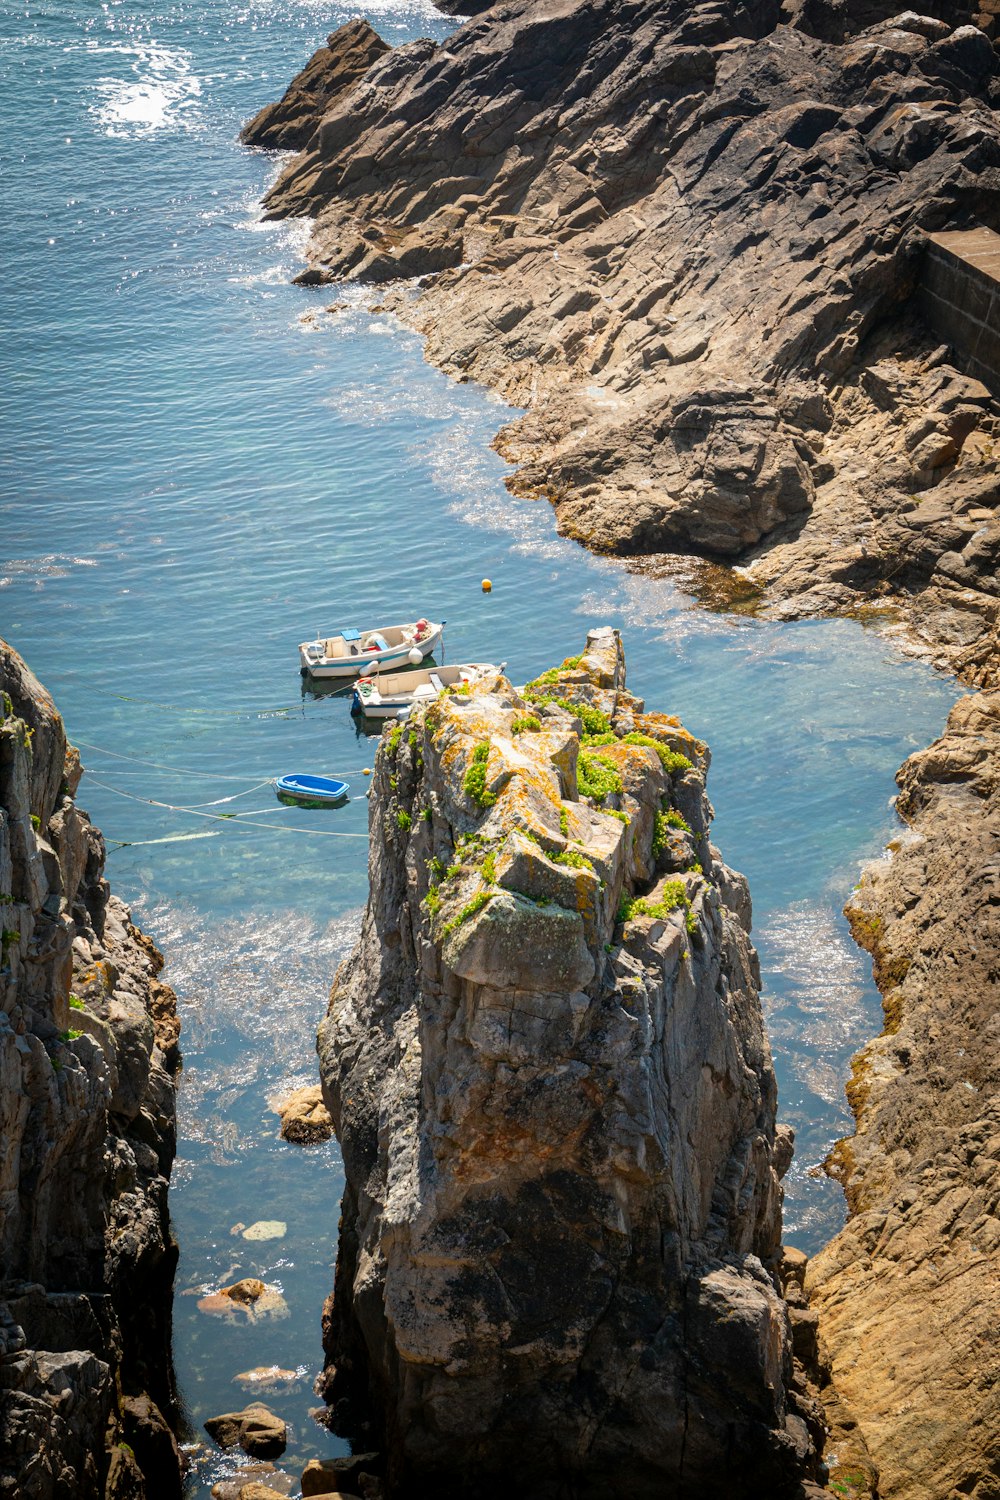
(305, 1119)
(250, 1298)
(265, 1229)
(556, 1106)
(268, 1378)
(690, 240)
(88, 1042)
(255, 1429)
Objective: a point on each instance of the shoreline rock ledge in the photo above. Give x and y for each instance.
(88, 1050)
(693, 240)
(548, 1070)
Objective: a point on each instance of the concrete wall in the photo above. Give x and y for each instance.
(959, 295)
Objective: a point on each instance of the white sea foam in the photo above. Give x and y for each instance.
(251, 993)
(52, 565)
(159, 91)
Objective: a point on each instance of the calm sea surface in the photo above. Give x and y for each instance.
(193, 478)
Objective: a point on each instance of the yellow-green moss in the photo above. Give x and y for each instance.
(477, 903)
(597, 777)
(671, 760)
(474, 781)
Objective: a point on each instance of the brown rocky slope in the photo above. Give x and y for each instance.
(907, 1292)
(560, 1228)
(687, 239)
(88, 1045)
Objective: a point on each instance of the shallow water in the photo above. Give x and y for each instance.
(193, 480)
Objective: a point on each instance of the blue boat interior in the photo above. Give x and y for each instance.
(313, 788)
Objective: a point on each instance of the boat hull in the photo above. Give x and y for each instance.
(387, 709)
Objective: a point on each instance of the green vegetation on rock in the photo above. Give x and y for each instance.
(593, 721)
(573, 858)
(597, 777)
(671, 760)
(673, 897)
(477, 903)
(474, 782)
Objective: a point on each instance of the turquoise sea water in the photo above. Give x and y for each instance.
(193, 479)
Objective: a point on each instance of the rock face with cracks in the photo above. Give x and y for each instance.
(548, 1072)
(88, 1045)
(907, 1291)
(688, 238)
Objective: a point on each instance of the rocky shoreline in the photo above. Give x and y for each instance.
(691, 244)
(88, 1053)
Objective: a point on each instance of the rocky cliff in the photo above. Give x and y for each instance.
(88, 1043)
(548, 1071)
(907, 1292)
(687, 237)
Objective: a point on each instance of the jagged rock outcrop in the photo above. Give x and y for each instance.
(907, 1292)
(839, 20)
(687, 239)
(88, 1036)
(290, 124)
(556, 1106)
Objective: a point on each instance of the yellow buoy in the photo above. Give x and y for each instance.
(368, 770)
(487, 586)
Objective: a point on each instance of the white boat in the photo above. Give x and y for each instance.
(393, 693)
(355, 652)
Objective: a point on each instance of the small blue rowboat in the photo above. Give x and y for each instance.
(300, 787)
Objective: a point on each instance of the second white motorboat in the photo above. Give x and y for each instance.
(392, 693)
